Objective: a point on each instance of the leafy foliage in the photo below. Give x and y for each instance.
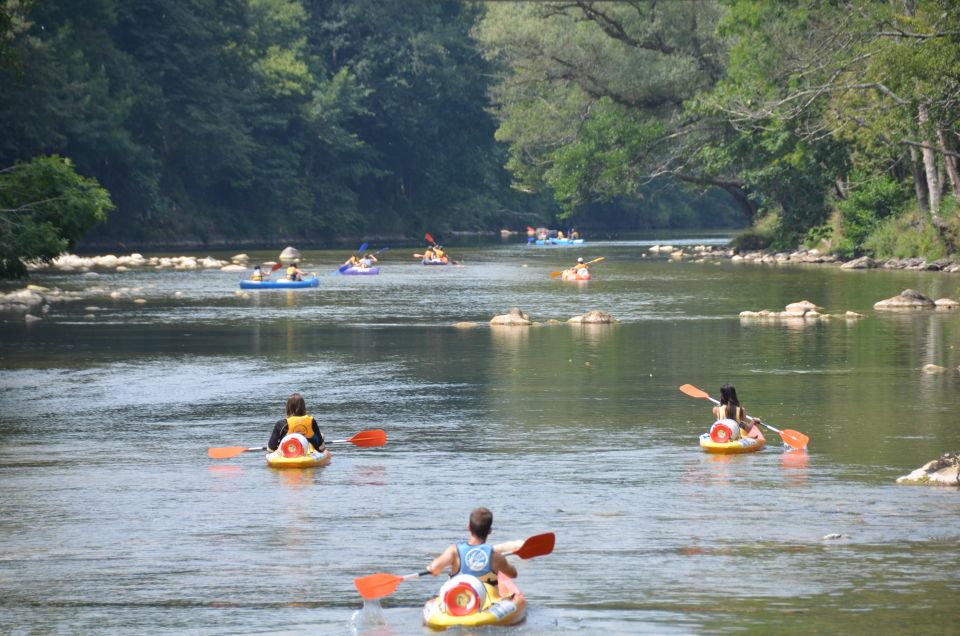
(45, 207)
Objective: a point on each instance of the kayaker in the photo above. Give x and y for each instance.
(367, 261)
(257, 274)
(474, 556)
(581, 267)
(560, 235)
(293, 272)
(438, 253)
(428, 254)
(730, 409)
(353, 261)
(574, 234)
(296, 421)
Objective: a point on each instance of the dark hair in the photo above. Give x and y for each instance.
(296, 405)
(728, 398)
(481, 520)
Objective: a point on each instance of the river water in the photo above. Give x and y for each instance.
(114, 520)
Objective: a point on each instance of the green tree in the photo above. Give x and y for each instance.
(45, 207)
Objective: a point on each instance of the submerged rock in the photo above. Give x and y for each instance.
(946, 303)
(515, 317)
(933, 369)
(290, 255)
(594, 317)
(943, 471)
(908, 299)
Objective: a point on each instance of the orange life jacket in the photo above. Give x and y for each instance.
(300, 424)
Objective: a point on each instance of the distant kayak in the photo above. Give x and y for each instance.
(436, 261)
(575, 276)
(361, 271)
(556, 241)
(280, 284)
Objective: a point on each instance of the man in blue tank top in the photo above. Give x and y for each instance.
(474, 556)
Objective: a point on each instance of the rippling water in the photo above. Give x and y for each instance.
(114, 520)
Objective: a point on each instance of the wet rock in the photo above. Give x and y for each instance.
(946, 303)
(802, 305)
(933, 369)
(233, 268)
(515, 317)
(908, 299)
(864, 262)
(466, 325)
(240, 258)
(594, 317)
(852, 315)
(834, 536)
(943, 471)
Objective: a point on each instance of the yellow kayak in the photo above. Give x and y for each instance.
(501, 605)
(312, 459)
(742, 445)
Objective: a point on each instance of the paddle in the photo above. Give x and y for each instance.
(796, 439)
(383, 584)
(346, 266)
(375, 437)
(555, 274)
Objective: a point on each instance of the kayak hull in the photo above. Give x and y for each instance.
(436, 261)
(733, 447)
(555, 241)
(567, 275)
(280, 284)
(361, 271)
(497, 610)
(312, 459)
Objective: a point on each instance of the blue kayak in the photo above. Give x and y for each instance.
(361, 271)
(556, 241)
(280, 284)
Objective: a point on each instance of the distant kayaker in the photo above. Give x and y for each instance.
(560, 235)
(438, 253)
(257, 274)
(581, 267)
(427, 254)
(367, 261)
(293, 272)
(296, 421)
(474, 556)
(353, 261)
(730, 409)
(574, 234)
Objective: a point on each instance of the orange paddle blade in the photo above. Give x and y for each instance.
(535, 546)
(793, 438)
(693, 391)
(276, 266)
(429, 239)
(555, 274)
(377, 585)
(226, 452)
(376, 437)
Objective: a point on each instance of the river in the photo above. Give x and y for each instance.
(114, 520)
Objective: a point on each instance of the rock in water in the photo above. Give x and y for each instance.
(943, 471)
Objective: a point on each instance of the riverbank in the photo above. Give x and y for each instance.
(805, 256)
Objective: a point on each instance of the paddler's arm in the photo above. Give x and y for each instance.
(500, 564)
(316, 431)
(444, 561)
(279, 430)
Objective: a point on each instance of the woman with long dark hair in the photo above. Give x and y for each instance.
(730, 409)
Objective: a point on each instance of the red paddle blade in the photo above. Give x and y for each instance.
(693, 391)
(377, 585)
(376, 437)
(793, 438)
(429, 239)
(535, 546)
(226, 452)
(276, 266)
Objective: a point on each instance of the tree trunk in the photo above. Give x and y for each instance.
(930, 165)
(950, 163)
(919, 181)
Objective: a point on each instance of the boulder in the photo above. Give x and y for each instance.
(290, 255)
(932, 369)
(594, 317)
(908, 299)
(802, 306)
(465, 325)
(864, 262)
(943, 471)
(946, 303)
(515, 317)
(233, 268)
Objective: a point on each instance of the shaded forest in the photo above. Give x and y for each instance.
(834, 125)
